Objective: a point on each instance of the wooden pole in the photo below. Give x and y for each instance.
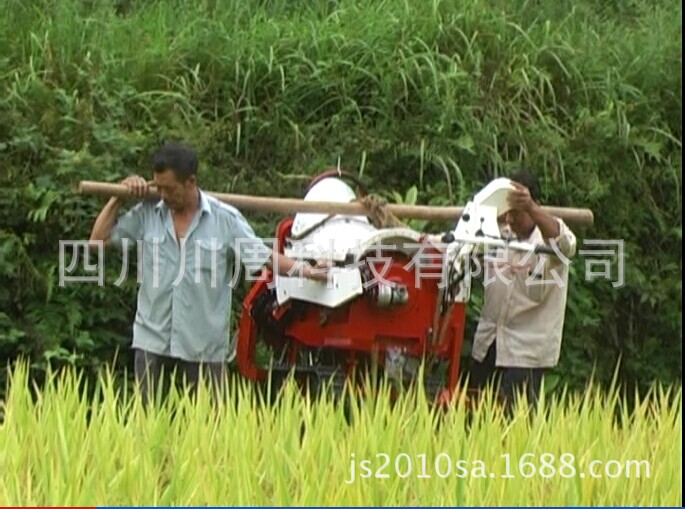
(572, 216)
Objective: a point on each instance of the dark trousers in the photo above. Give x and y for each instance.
(151, 369)
(510, 382)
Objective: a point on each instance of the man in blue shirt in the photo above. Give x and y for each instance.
(191, 243)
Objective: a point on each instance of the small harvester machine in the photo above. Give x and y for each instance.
(395, 303)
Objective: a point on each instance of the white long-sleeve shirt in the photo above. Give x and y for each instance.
(525, 304)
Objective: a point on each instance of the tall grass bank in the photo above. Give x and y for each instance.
(440, 95)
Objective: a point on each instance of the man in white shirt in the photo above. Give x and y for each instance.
(520, 328)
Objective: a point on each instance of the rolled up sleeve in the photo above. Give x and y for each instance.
(251, 251)
(565, 243)
(128, 228)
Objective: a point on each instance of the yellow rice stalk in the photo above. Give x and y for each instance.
(60, 448)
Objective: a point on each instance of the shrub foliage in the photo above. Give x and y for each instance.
(439, 95)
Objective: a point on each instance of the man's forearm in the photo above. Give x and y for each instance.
(105, 221)
(285, 265)
(549, 226)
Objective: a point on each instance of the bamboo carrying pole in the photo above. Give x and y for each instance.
(572, 216)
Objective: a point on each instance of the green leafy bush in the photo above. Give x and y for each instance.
(441, 96)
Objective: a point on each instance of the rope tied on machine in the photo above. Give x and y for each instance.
(378, 213)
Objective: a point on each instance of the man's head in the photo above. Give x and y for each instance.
(529, 180)
(519, 220)
(175, 175)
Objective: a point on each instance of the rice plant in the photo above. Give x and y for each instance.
(61, 447)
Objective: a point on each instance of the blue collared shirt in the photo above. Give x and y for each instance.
(185, 294)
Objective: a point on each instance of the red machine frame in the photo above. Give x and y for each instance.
(428, 326)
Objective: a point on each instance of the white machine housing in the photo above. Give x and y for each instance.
(344, 240)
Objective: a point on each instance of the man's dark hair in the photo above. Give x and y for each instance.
(179, 158)
(529, 180)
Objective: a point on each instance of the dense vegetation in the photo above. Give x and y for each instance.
(442, 95)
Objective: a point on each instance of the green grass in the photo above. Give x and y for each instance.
(508, 84)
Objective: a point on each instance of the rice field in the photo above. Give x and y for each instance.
(431, 95)
(58, 447)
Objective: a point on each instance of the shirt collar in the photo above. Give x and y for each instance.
(204, 202)
(533, 237)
